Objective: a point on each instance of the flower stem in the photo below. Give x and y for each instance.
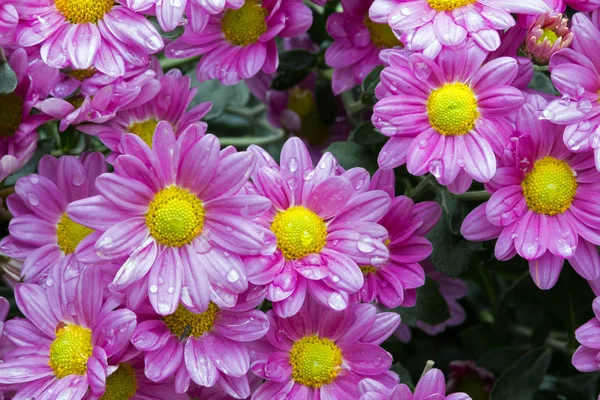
(170, 63)
(480, 195)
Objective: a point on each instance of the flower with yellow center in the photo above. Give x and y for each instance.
(121, 384)
(244, 26)
(550, 187)
(70, 351)
(452, 109)
(184, 323)
(448, 5)
(175, 217)
(70, 234)
(144, 129)
(11, 114)
(548, 34)
(82, 74)
(315, 361)
(84, 11)
(302, 102)
(381, 34)
(299, 232)
(368, 269)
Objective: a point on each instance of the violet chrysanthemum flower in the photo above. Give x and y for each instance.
(394, 282)
(18, 136)
(9, 17)
(448, 116)
(452, 290)
(207, 347)
(432, 385)
(575, 73)
(319, 353)
(41, 233)
(324, 224)
(170, 13)
(357, 43)
(171, 212)
(430, 25)
(100, 104)
(169, 104)
(69, 332)
(82, 34)
(541, 206)
(237, 44)
(587, 355)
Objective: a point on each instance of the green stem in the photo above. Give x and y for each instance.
(505, 296)
(245, 141)
(421, 189)
(480, 195)
(170, 63)
(249, 113)
(487, 284)
(541, 68)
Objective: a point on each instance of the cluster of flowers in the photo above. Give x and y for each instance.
(150, 281)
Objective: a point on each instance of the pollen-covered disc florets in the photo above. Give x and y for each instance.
(452, 109)
(70, 351)
(299, 232)
(315, 361)
(84, 11)
(245, 25)
(183, 323)
(448, 5)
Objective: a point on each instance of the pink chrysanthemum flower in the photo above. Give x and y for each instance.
(452, 290)
(18, 136)
(41, 233)
(99, 105)
(357, 43)
(170, 14)
(324, 224)
(9, 17)
(208, 347)
(541, 206)
(430, 25)
(82, 34)
(237, 44)
(448, 116)
(127, 380)
(548, 34)
(583, 5)
(587, 355)
(319, 353)
(394, 282)
(432, 385)
(575, 73)
(171, 212)
(169, 104)
(69, 332)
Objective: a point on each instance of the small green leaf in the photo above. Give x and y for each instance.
(8, 78)
(285, 79)
(297, 60)
(44, 147)
(221, 96)
(542, 83)
(431, 307)
(174, 34)
(352, 155)
(372, 80)
(523, 379)
(366, 135)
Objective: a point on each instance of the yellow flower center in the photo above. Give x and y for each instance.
(381, 34)
(244, 26)
(121, 384)
(70, 234)
(368, 269)
(84, 11)
(303, 103)
(448, 5)
(184, 323)
(315, 361)
(452, 109)
(550, 186)
(76, 101)
(82, 74)
(144, 129)
(11, 114)
(299, 232)
(548, 34)
(70, 351)
(175, 217)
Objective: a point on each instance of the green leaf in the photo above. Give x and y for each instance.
(285, 79)
(352, 155)
(542, 83)
(317, 31)
(431, 307)
(372, 80)
(366, 135)
(326, 104)
(297, 60)
(523, 379)
(499, 358)
(221, 96)
(452, 254)
(174, 34)
(44, 147)
(404, 375)
(8, 78)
